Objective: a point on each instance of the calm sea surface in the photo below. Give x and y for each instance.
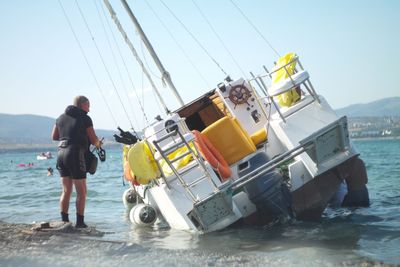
(343, 237)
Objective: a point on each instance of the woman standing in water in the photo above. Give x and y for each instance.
(74, 130)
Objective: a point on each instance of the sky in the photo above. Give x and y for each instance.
(350, 48)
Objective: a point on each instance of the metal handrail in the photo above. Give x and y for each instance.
(194, 152)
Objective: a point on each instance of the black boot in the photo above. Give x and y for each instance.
(79, 221)
(64, 217)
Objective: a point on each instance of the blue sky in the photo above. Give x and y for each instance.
(350, 48)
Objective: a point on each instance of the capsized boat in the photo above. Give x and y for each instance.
(233, 155)
(251, 151)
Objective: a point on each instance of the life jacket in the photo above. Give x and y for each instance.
(292, 96)
(71, 126)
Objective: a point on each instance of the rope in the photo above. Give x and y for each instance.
(87, 62)
(148, 66)
(104, 64)
(177, 43)
(162, 81)
(116, 64)
(219, 38)
(134, 52)
(125, 67)
(194, 38)
(255, 28)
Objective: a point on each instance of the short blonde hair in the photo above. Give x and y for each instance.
(79, 100)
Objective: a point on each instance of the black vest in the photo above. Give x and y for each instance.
(71, 126)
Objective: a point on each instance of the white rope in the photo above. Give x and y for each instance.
(87, 62)
(125, 67)
(255, 28)
(194, 38)
(154, 95)
(134, 52)
(178, 44)
(116, 64)
(104, 64)
(219, 39)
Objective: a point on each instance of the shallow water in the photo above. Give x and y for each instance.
(343, 237)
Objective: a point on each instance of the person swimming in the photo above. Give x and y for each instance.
(50, 171)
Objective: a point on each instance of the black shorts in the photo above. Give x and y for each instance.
(71, 162)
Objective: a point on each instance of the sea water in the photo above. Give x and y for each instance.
(345, 237)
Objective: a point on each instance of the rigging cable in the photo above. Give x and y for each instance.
(162, 80)
(219, 38)
(177, 43)
(134, 52)
(115, 62)
(194, 38)
(125, 66)
(255, 28)
(147, 64)
(87, 62)
(102, 60)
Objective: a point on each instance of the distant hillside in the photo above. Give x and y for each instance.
(34, 129)
(31, 129)
(383, 107)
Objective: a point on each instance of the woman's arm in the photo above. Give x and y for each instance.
(55, 134)
(94, 140)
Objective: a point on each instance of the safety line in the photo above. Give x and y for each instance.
(255, 28)
(124, 64)
(177, 44)
(115, 61)
(194, 38)
(102, 60)
(219, 38)
(87, 62)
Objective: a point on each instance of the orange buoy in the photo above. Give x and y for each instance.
(212, 155)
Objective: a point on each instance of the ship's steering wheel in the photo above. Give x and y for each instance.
(239, 94)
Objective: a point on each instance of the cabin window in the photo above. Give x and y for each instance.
(203, 111)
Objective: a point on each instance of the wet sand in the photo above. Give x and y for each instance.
(59, 244)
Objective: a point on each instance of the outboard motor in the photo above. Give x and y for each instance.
(271, 196)
(269, 193)
(143, 215)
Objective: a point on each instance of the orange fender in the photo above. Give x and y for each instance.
(212, 155)
(129, 176)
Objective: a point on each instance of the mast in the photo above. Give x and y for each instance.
(124, 35)
(164, 72)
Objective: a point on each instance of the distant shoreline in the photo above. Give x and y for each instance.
(43, 147)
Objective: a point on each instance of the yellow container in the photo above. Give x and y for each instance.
(259, 136)
(230, 139)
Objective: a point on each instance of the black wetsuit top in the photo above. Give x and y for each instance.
(74, 142)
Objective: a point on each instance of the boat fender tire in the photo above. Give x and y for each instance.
(212, 155)
(143, 215)
(129, 198)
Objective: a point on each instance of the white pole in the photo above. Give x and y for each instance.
(165, 74)
(124, 35)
